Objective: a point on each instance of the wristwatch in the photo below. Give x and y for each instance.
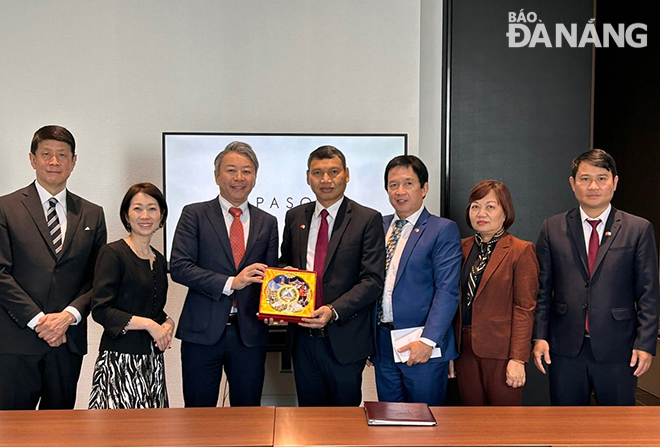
(334, 316)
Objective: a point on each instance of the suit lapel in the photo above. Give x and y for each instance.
(303, 234)
(73, 215)
(217, 220)
(415, 235)
(499, 253)
(612, 227)
(340, 225)
(574, 224)
(32, 203)
(256, 222)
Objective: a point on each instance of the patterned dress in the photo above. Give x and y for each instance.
(130, 369)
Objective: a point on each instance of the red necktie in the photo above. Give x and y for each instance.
(320, 253)
(591, 257)
(236, 239)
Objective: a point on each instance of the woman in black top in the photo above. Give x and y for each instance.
(129, 294)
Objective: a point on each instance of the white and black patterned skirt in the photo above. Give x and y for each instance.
(128, 381)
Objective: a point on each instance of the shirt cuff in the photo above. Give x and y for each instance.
(227, 290)
(73, 311)
(33, 322)
(427, 341)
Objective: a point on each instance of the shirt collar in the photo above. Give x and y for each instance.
(45, 196)
(332, 209)
(603, 217)
(225, 205)
(412, 219)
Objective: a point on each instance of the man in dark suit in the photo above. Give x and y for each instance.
(220, 252)
(597, 310)
(344, 243)
(49, 240)
(421, 290)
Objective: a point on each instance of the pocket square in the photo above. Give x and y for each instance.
(87, 229)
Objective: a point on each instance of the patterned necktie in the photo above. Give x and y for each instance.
(320, 253)
(392, 241)
(591, 257)
(390, 248)
(477, 269)
(54, 226)
(236, 237)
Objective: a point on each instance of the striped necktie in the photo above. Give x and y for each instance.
(54, 226)
(390, 248)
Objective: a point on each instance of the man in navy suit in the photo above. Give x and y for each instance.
(220, 252)
(597, 311)
(49, 240)
(421, 289)
(343, 242)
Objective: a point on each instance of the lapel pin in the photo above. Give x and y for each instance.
(302, 227)
(608, 233)
(416, 230)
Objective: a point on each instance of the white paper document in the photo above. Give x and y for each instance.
(401, 337)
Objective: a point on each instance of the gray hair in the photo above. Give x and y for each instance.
(240, 148)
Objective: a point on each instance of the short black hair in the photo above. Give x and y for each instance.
(417, 165)
(595, 157)
(57, 133)
(325, 152)
(149, 189)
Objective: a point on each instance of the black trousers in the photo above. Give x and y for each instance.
(321, 381)
(572, 379)
(202, 371)
(50, 380)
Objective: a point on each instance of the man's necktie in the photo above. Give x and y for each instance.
(594, 243)
(320, 252)
(390, 248)
(236, 239)
(54, 226)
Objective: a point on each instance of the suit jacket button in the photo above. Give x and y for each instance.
(586, 284)
(585, 305)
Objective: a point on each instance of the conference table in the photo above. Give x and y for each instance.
(281, 426)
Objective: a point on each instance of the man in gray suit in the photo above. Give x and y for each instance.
(597, 312)
(49, 239)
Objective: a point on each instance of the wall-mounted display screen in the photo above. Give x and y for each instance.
(281, 179)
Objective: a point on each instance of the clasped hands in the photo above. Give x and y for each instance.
(52, 327)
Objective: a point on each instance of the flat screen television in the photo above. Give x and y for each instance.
(281, 179)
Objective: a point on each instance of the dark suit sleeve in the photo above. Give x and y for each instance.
(107, 280)
(13, 298)
(372, 270)
(447, 257)
(184, 267)
(286, 257)
(544, 297)
(525, 290)
(646, 292)
(271, 255)
(84, 296)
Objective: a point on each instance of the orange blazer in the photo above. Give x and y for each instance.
(503, 308)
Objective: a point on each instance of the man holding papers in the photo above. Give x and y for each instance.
(423, 262)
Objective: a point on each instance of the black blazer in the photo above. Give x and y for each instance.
(125, 285)
(622, 295)
(34, 279)
(353, 275)
(202, 260)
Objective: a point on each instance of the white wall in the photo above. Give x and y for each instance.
(118, 73)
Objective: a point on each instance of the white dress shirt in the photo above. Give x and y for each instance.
(587, 228)
(313, 236)
(314, 229)
(60, 209)
(390, 275)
